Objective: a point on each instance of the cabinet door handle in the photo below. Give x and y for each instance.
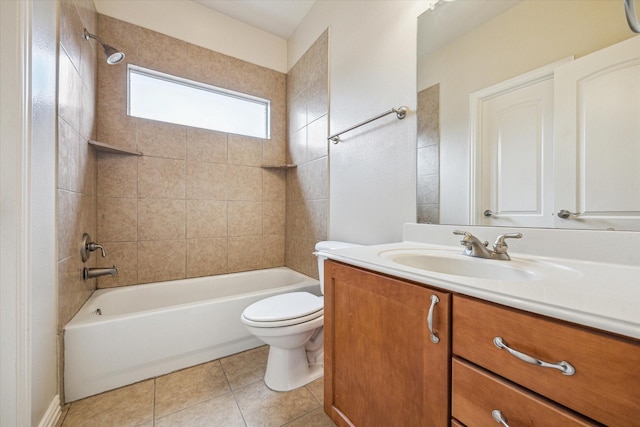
(434, 301)
(565, 367)
(497, 415)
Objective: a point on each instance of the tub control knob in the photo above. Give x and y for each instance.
(88, 246)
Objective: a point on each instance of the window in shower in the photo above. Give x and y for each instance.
(163, 97)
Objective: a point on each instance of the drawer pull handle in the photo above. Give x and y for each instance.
(434, 301)
(497, 415)
(565, 367)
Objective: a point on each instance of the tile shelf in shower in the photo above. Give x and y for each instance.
(285, 167)
(107, 148)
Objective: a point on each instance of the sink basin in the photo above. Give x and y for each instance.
(447, 262)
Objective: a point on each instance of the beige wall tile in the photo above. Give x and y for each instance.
(274, 185)
(76, 215)
(206, 145)
(117, 219)
(245, 150)
(245, 183)
(117, 175)
(122, 35)
(71, 31)
(87, 167)
(273, 218)
(69, 87)
(88, 126)
(161, 53)
(160, 178)
(112, 86)
(317, 143)
(245, 253)
(161, 219)
(161, 260)
(68, 156)
(206, 181)
(125, 257)
(116, 128)
(245, 218)
(206, 257)
(206, 218)
(274, 251)
(297, 149)
(318, 217)
(160, 139)
(72, 290)
(198, 169)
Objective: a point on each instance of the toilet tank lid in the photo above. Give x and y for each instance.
(332, 244)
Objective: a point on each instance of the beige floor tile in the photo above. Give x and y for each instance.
(127, 406)
(246, 367)
(188, 387)
(317, 389)
(221, 411)
(263, 407)
(316, 418)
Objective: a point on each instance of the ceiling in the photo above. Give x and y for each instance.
(278, 17)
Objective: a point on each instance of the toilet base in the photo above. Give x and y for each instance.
(288, 369)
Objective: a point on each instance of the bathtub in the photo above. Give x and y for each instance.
(124, 335)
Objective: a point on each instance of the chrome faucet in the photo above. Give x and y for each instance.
(476, 248)
(90, 273)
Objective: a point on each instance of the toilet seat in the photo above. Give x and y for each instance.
(284, 310)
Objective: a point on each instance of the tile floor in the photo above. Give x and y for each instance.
(228, 392)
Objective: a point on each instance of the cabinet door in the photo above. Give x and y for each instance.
(381, 366)
(597, 139)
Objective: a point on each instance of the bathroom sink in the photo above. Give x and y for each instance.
(454, 263)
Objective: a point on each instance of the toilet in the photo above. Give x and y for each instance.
(292, 325)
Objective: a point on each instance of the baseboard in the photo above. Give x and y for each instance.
(53, 413)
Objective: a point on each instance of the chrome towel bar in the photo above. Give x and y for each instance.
(401, 113)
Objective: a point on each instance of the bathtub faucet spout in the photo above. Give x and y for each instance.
(90, 273)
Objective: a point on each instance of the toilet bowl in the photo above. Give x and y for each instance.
(292, 325)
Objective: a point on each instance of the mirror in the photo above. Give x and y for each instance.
(466, 50)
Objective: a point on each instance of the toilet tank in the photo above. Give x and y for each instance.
(328, 245)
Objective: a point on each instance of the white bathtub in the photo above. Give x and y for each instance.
(148, 330)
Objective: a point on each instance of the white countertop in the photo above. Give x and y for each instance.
(601, 295)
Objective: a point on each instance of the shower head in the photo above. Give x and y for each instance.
(113, 55)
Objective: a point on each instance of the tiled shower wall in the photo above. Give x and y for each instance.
(308, 184)
(76, 161)
(197, 203)
(428, 166)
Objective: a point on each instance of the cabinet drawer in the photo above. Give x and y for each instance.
(606, 382)
(476, 394)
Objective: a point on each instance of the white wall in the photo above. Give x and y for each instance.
(202, 26)
(372, 56)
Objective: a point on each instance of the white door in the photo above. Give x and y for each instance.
(597, 139)
(512, 150)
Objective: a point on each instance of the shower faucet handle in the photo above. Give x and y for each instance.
(88, 247)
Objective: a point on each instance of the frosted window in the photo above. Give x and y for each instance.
(158, 96)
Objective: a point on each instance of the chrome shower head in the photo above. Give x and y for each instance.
(113, 55)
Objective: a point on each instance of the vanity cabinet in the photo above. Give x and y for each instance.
(381, 366)
(604, 387)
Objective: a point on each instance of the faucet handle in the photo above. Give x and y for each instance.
(88, 246)
(500, 246)
(93, 246)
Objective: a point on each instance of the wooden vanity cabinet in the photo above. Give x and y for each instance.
(605, 386)
(381, 366)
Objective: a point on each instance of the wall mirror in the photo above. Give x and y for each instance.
(528, 114)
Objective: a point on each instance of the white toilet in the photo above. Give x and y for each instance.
(292, 326)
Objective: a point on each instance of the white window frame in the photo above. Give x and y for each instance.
(131, 68)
